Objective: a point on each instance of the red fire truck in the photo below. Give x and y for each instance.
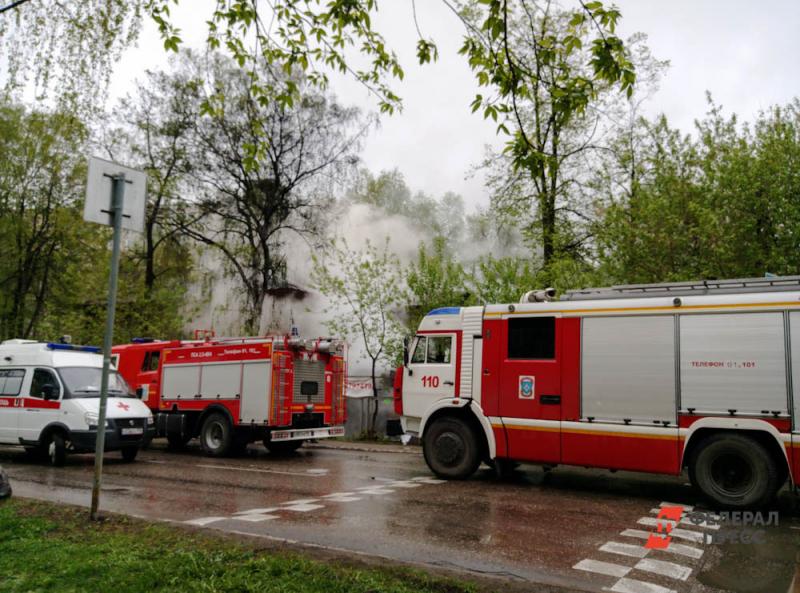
(231, 392)
(656, 378)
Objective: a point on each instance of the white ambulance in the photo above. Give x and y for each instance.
(50, 398)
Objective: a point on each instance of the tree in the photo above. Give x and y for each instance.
(365, 289)
(722, 204)
(310, 36)
(436, 279)
(41, 233)
(69, 47)
(152, 130)
(254, 192)
(546, 67)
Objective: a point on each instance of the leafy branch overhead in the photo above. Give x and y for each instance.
(514, 49)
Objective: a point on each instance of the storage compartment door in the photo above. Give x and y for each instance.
(629, 369)
(181, 381)
(733, 361)
(256, 391)
(221, 380)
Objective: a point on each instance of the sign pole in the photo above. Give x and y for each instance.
(117, 198)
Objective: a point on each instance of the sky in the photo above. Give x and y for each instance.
(746, 53)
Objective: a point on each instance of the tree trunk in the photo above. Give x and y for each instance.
(371, 431)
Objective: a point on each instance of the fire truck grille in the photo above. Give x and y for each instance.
(306, 374)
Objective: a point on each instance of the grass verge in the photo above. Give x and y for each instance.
(47, 547)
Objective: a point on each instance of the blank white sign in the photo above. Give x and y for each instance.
(98, 194)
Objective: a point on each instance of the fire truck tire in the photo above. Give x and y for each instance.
(282, 447)
(735, 471)
(129, 454)
(216, 435)
(451, 449)
(56, 449)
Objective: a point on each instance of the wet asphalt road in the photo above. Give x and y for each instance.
(580, 529)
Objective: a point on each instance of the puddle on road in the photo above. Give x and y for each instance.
(772, 566)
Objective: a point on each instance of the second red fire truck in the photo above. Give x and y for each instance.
(231, 392)
(656, 378)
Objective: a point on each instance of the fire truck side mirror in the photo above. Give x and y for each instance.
(405, 351)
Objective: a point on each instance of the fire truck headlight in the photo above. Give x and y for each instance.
(150, 420)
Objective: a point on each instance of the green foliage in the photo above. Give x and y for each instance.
(54, 274)
(366, 292)
(67, 47)
(436, 279)
(41, 232)
(543, 67)
(49, 548)
(721, 205)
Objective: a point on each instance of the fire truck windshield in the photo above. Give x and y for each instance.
(85, 382)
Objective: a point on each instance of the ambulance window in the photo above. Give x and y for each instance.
(150, 362)
(439, 349)
(42, 377)
(532, 338)
(11, 381)
(419, 351)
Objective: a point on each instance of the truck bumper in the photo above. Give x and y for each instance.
(85, 440)
(296, 434)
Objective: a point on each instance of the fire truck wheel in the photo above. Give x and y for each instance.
(129, 453)
(735, 471)
(451, 449)
(56, 449)
(216, 436)
(282, 447)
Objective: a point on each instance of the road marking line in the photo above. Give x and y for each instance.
(335, 494)
(428, 480)
(257, 511)
(261, 471)
(699, 523)
(255, 518)
(303, 508)
(301, 501)
(683, 550)
(634, 586)
(321, 472)
(667, 569)
(204, 521)
(342, 498)
(607, 568)
(625, 549)
(377, 490)
(685, 507)
(404, 484)
(692, 536)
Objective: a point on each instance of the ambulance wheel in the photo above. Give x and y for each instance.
(216, 435)
(735, 472)
(451, 449)
(56, 449)
(129, 453)
(282, 447)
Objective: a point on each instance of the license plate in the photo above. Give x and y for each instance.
(132, 431)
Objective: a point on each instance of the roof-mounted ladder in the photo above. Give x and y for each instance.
(690, 288)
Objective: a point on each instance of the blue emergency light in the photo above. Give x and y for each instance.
(93, 349)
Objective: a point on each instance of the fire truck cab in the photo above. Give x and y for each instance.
(50, 397)
(654, 378)
(231, 392)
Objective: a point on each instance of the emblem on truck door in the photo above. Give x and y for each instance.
(527, 387)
